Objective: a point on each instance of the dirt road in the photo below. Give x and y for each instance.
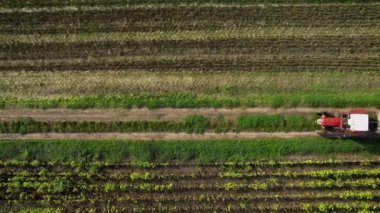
(147, 114)
(149, 136)
(159, 136)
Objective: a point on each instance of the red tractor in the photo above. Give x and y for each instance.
(352, 124)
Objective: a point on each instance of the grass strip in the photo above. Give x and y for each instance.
(161, 151)
(189, 124)
(330, 46)
(276, 122)
(183, 100)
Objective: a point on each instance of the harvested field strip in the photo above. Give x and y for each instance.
(196, 57)
(66, 83)
(139, 187)
(194, 24)
(202, 63)
(190, 18)
(237, 33)
(337, 45)
(180, 100)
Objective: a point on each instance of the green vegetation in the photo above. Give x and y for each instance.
(204, 151)
(82, 54)
(196, 123)
(91, 187)
(276, 122)
(190, 124)
(264, 122)
(186, 89)
(195, 101)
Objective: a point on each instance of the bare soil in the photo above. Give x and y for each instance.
(62, 114)
(160, 136)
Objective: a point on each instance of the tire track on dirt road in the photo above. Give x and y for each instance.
(150, 136)
(157, 136)
(118, 114)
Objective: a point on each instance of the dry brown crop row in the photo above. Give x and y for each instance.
(325, 44)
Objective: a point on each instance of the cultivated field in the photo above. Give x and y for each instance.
(213, 53)
(284, 186)
(194, 106)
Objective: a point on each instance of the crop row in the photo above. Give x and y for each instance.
(121, 27)
(326, 44)
(138, 179)
(181, 100)
(191, 123)
(205, 198)
(89, 184)
(329, 185)
(109, 206)
(336, 169)
(203, 63)
(42, 3)
(264, 86)
(319, 163)
(312, 178)
(192, 35)
(57, 186)
(196, 150)
(70, 192)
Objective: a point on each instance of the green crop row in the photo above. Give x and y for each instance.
(190, 124)
(276, 122)
(229, 164)
(57, 188)
(371, 99)
(28, 125)
(168, 174)
(53, 186)
(163, 151)
(72, 188)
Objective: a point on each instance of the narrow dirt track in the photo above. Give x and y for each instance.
(154, 136)
(147, 114)
(159, 136)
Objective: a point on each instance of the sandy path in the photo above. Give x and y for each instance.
(160, 136)
(148, 136)
(147, 114)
